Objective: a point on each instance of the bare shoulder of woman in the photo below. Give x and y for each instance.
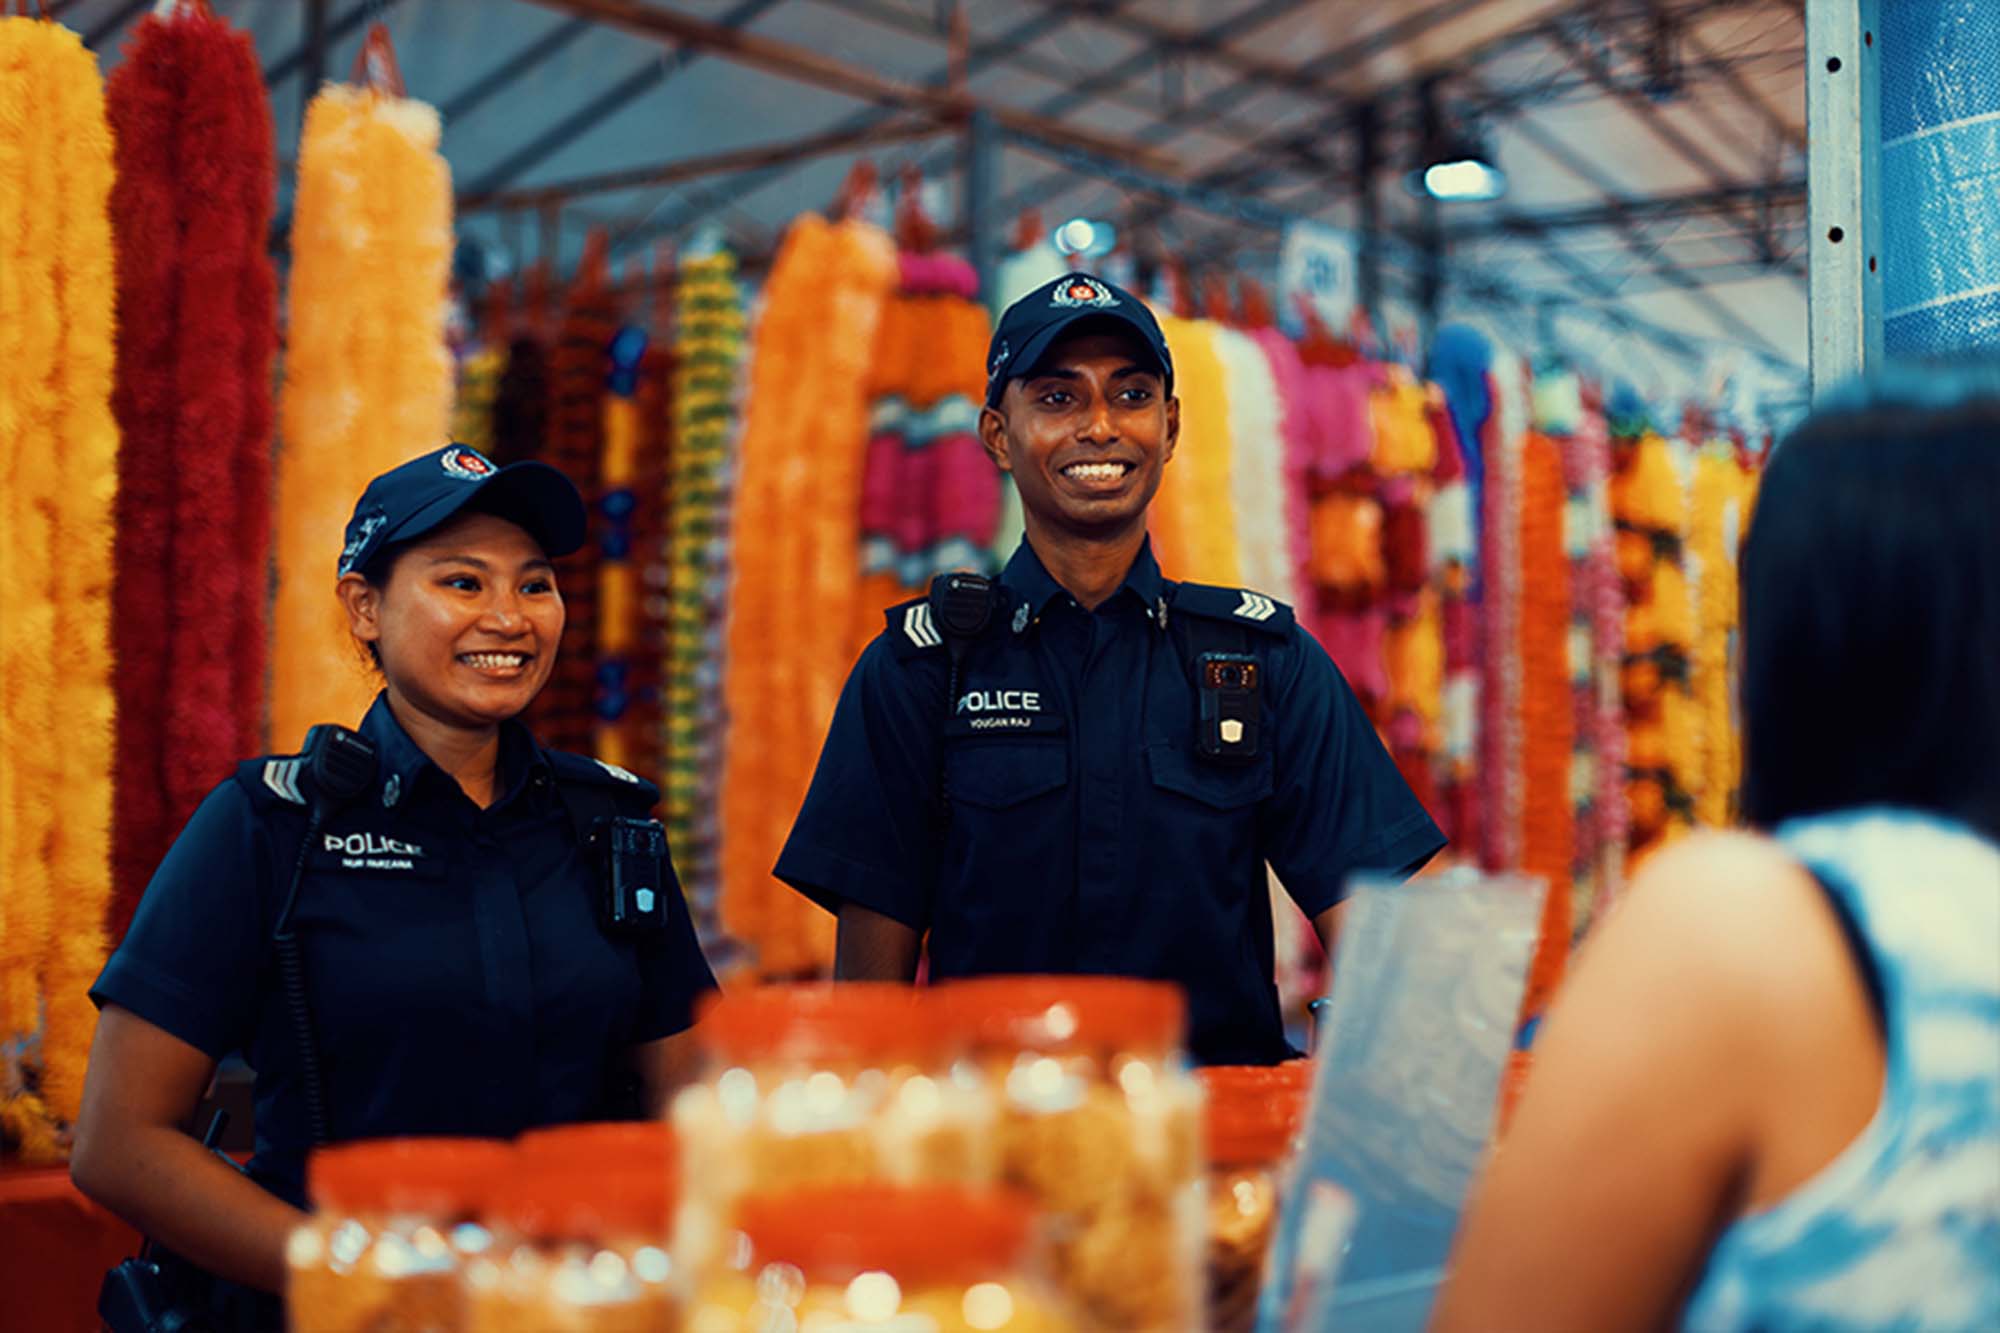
(1676, 1083)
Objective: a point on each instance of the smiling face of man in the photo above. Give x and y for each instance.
(1087, 435)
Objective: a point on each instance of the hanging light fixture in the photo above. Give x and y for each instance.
(1085, 238)
(1455, 164)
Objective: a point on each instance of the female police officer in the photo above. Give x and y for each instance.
(1086, 767)
(464, 970)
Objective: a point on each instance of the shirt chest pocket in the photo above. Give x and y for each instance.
(1208, 786)
(995, 774)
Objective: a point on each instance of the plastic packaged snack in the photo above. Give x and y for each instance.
(379, 1254)
(1100, 1124)
(941, 1259)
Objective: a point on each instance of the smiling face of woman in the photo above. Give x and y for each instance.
(465, 623)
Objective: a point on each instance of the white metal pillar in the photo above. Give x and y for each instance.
(1843, 199)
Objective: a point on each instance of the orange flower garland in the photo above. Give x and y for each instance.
(1548, 712)
(797, 558)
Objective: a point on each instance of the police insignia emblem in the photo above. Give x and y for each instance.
(466, 464)
(1082, 291)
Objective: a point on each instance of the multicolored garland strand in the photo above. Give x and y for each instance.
(368, 378)
(58, 460)
(618, 524)
(709, 359)
(930, 497)
(196, 333)
(1650, 516)
(797, 552)
(1597, 644)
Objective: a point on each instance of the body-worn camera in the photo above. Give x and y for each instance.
(635, 875)
(1231, 706)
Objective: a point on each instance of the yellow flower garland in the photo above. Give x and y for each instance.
(1193, 520)
(368, 381)
(58, 447)
(1719, 503)
(1663, 723)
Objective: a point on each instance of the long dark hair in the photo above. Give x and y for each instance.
(1871, 605)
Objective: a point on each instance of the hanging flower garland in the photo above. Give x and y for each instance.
(645, 666)
(1597, 636)
(930, 497)
(1500, 735)
(708, 358)
(618, 523)
(1661, 724)
(797, 553)
(479, 376)
(1547, 709)
(1288, 375)
(1194, 532)
(564, 715)
(1257, 466)
(197, 330)
(368, 379)
(1453, 547)
(59, 447)
(520, 420)
(1719, 512)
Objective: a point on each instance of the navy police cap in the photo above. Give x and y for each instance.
(1032, 324)
(406, 502)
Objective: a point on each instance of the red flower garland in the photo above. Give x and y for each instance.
(563, 716)
(196, 331)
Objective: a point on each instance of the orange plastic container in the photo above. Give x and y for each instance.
(1255, 1116)
(1100, 1124)
(944, 1258)
(821, 1085)
(378, 1252)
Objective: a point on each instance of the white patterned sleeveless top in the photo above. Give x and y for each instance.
(1902, 1230)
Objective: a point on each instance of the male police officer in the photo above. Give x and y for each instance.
(1085, 767)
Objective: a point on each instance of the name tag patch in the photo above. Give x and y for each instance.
(371, 851)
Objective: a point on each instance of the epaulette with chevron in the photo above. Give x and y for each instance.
(912, 628)
(277, 779)
(1237, 606)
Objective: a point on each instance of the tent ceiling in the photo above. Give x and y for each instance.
(1655, 148)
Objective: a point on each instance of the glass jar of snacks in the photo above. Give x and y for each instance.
(941, 1259)
(1254, 1120)
(379, 1252)
(580, 1236)
(1100, 1124)
(823, 1085)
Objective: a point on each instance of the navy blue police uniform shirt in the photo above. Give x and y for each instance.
(1058, 817)
(460, 982)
